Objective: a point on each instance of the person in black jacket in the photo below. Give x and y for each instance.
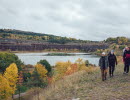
(112, 61)
(126, 59)
(103, 63)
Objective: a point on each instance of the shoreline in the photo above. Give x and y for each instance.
(47, 51)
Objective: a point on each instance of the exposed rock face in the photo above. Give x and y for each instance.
(39, 47)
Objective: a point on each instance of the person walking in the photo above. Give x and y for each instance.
(126, 59)
(112, 61)
(103, 63)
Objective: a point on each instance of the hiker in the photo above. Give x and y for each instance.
(126, 59)
(103, 63)
(112, 61)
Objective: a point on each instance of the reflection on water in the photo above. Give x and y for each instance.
(33, 58)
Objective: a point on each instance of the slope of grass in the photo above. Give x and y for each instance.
(86, 86)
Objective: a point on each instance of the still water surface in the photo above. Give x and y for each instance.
(33, 58)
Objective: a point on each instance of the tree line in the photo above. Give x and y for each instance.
(24, 35)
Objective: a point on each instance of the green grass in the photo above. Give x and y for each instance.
(59, 54)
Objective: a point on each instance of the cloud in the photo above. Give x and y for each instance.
(82, 19)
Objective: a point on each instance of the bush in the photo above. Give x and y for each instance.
(67, 68)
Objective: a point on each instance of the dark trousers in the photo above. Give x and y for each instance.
(111, 69)
(126, 67)
(104, 74)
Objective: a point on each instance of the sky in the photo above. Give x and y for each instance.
(82, 19)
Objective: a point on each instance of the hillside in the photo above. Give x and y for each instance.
(16, 40)
(86, 86)
(11, 34)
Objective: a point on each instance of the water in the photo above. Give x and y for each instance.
(33, 58)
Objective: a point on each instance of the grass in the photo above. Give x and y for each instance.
(86, 86)
(59, 54)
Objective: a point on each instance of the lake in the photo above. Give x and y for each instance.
(33, 58)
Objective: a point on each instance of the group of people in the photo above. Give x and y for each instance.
(110, 60)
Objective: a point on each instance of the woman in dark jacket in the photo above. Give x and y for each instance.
(112, 61)
(126, 58)
(103, 63)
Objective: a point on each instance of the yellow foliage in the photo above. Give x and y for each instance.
(61, 67)
(67, 68)
(81, 64)
(41, 70)
(11, 74)
(5, 89)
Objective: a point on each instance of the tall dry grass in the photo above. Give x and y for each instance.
(60, 86)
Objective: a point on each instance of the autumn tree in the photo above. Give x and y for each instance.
(46, 64)
(122, 40)
(38, 77)
(11, 74)
(118, 40)
(41, 70)
(61, 69)
(5, 89)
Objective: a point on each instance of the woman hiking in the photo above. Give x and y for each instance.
(126, 59)
(103, 63)
(112, 61)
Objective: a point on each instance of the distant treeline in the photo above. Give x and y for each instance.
(25, 35)
(118, 40)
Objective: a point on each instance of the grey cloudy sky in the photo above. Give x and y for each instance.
(81, 19)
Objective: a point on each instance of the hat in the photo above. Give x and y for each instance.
(126, 47)
(103, 53)
(112, 51)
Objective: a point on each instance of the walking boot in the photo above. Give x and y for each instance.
(110, 75)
